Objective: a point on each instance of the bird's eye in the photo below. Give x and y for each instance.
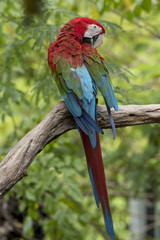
(94, 26)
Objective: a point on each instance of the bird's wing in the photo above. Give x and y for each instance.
(79, 93)
(100, 75)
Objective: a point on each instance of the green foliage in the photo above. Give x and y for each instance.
(57, 194)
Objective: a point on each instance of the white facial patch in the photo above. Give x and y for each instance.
(92, 30)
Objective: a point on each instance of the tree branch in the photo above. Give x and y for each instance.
(14, 166)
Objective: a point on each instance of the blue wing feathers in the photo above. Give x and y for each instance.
(91, 122)
(110, 95)
(110, 100)
(72, 104)
(80, 123)
(85, 114)
(111, 121)
(86, 82)
(88, 129)
(84, 109)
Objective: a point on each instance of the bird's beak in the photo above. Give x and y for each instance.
(97, 40)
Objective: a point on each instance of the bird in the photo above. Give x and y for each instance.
(79, 72)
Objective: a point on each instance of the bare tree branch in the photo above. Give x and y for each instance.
(14, 166)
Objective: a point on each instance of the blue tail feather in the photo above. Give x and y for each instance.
(109, 224)
(94, 187)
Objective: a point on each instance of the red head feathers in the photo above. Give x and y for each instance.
(77, 37)
(80, 25)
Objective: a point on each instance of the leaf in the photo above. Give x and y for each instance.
(27, 226)
(147, 5)
(74, 193)
(39, 41)
(112, 27)
(30, 194)
(22, 205)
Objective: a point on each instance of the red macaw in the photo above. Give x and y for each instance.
(79, 70)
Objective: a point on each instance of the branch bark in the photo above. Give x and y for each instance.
(14, 166)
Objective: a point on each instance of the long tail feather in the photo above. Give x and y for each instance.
(97, 176)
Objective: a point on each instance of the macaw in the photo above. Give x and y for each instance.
(79, 70)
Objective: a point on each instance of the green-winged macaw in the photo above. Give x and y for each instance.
(79, 70)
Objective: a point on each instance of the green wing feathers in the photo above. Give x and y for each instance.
(100, 75)
(65, 77)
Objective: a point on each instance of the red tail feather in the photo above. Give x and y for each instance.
(94, 160)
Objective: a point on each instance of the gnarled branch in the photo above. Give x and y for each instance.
(58, 121)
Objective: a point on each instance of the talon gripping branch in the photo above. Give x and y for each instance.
(79, 71)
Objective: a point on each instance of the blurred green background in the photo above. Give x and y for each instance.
(56, 201)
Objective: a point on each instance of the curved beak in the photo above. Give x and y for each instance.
(97, 40)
